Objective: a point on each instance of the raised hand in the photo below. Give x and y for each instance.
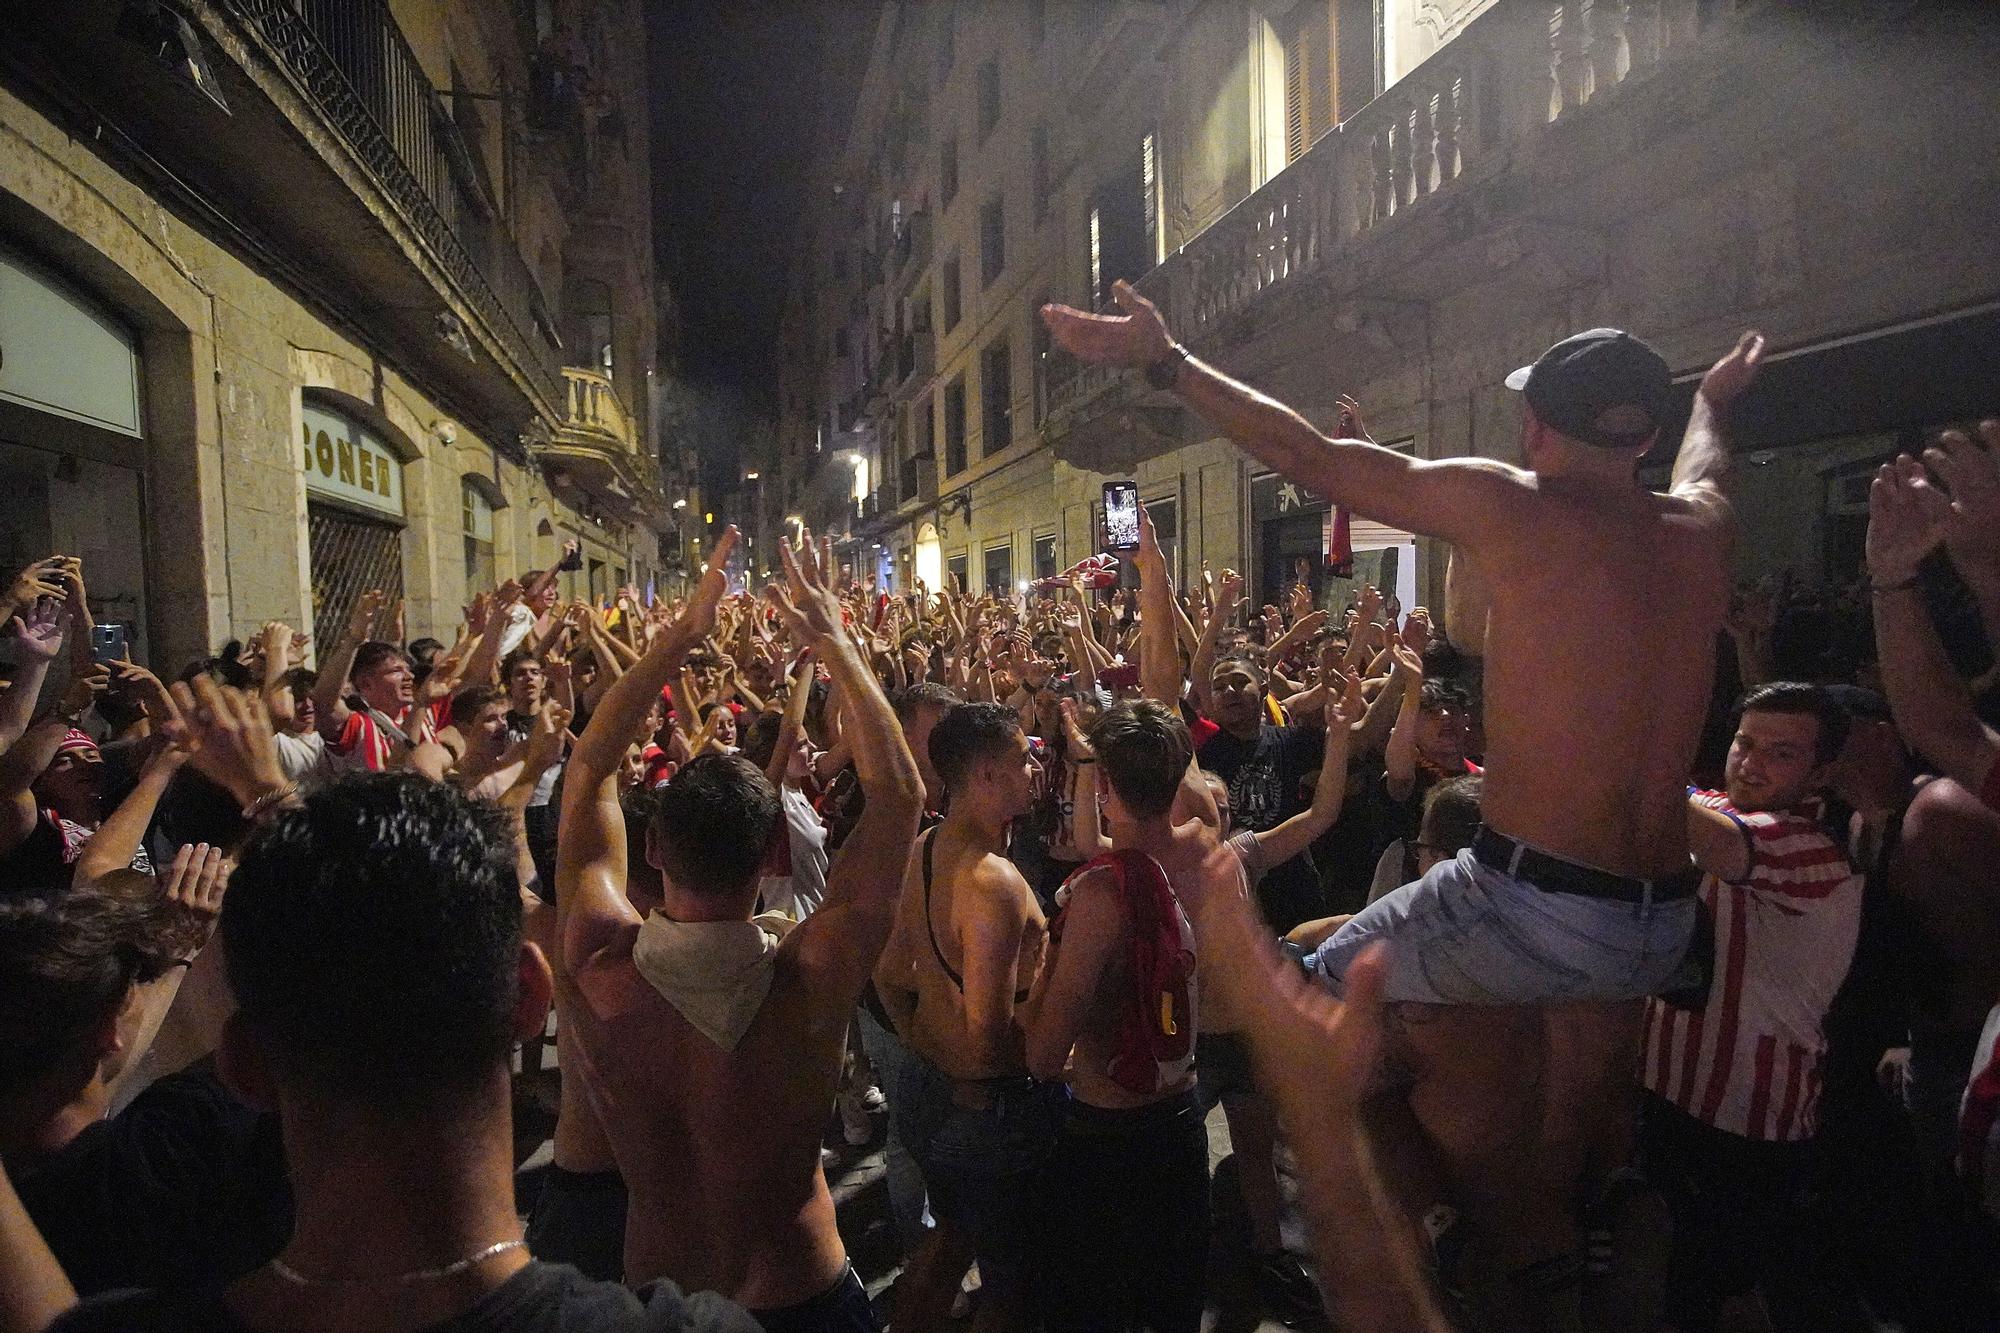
(1970, 524)
(84, 689)
(1905, 519)
(39, 580)
(1136, 338)
(153, 696)
(545, 738)
(1370, 604)
(41, 633)
(1417, 629)
(361, 621)
(1728, 378)
(1074, 740)
(1409, 660)
(1346, 706)
(229, 734)
(1301, 602)
(196, 883)
(1754, 615)
(446, 675)
(808, 606)
(1352, 427)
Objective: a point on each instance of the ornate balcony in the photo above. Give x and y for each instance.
(1349, 211)
(594, 454)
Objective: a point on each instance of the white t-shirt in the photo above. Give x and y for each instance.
(798, 890)
(300, 757)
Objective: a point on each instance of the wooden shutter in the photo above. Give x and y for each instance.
(1296, 111)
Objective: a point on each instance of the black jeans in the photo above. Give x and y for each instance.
(1126, 1213)
(841, 1308)
(1742, 1213)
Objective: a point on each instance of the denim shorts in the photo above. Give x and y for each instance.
(980, 1165)
(1469, 934)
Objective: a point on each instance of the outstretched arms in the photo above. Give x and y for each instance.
(1458, 499)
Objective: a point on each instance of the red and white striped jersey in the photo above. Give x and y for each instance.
(1748, 1062)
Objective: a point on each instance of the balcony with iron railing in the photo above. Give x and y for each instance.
(1464, 115)
(337, 169)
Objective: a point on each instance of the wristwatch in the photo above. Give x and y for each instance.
(1162, 373)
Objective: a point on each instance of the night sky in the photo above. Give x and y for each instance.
(735, 90)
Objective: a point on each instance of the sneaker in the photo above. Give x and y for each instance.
(855, 1125)
(1284, 1285)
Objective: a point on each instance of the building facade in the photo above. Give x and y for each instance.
(1400, 200)
(300, 299)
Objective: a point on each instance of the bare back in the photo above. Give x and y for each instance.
(719, 1149)
(1600, 656)
(976, 901)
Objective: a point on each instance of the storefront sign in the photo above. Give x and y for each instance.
(343, 461)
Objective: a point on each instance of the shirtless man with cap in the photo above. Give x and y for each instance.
(711, 1040)
(1604, 604)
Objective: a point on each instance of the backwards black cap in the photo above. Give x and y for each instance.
(1601, 386)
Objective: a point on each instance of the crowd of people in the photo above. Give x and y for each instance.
(1536, 1014)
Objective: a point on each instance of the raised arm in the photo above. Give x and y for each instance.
(837, 946)
(487, 619)
(1159, 663)
(591, 906)
(118, 838)
(31, 585)
(1228, 601)
(1702, 466)
(1400, 758)
(1344, 711)
(1457, 499)
(1086, 823)
(1932, 707)
(793, 723)
(39, 639)
(330, 694)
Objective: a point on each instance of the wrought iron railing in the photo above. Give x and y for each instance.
(352, 61)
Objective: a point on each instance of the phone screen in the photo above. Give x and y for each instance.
(1121, 516)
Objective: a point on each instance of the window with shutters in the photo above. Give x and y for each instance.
(1311, 72)
(1124, 223)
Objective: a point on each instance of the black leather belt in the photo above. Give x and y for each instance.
(1555, 875)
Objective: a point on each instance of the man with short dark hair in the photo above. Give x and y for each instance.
(1265, 767)
(955, 976)
(1125, 1233)
(390, 1080)
(712, 1039)
(390, 720)
(1732, 1081)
